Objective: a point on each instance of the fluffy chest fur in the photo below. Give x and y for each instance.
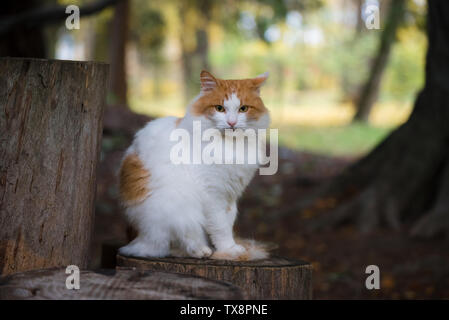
(224, 180)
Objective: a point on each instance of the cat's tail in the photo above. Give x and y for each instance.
(255, 250)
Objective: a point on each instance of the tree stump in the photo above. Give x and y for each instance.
(113, 284)
(50, 132)
(273, 278)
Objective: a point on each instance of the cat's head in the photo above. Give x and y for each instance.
(231, 104)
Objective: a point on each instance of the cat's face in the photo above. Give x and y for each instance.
(231, 104)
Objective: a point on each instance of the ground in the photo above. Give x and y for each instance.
(410, 268)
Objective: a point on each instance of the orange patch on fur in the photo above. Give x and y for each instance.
(177, 122)
(134, 179)
(254, 251)
(247, 90)
(225, 256)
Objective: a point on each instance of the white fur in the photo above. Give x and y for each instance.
(192, 208)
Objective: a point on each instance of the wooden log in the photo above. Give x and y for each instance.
(113, 284)
(273, 278)
(50, 132)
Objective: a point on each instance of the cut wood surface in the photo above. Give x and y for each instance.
(50, 134)
(113, 284)
(273, 278)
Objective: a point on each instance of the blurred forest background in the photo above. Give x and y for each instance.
(319, 54)
(336, 90)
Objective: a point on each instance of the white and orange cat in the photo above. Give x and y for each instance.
(189, 210)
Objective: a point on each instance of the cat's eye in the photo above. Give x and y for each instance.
(243, 109)
(219, 108)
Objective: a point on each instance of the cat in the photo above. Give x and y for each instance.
(189, 210)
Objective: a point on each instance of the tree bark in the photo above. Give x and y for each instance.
(274, 278)
(370, 89)
(406, 177)
(360, 25)
(194, 53)
(113, 284)
(118, 38)
(50, 132)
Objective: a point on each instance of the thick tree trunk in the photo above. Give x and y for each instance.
(274, 278)
(117, 53)
(406, 176)
(370, 89)
(114, 284)
(50, 132)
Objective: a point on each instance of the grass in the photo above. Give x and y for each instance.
(353, 139)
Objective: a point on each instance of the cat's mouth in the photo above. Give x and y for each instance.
(224, 127)
(233, 128)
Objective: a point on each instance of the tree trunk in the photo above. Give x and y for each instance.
(274, 278)
(360, 25)
(406, 177)
(370, 89)
(118, 38)
(50, 133)
(114, 284)
(194, 52)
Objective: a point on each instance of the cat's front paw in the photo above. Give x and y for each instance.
(141, 249)
(235, 252)
(202, 252)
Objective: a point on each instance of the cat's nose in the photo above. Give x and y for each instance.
(232, 123)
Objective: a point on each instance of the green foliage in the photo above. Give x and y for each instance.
(350, 61)
(342, 60)
(322, 54)
(354, 139)
(148, 30)
(415, 15)
(405, 73)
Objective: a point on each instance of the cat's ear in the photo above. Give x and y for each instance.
(208, 81)
(259, 80)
